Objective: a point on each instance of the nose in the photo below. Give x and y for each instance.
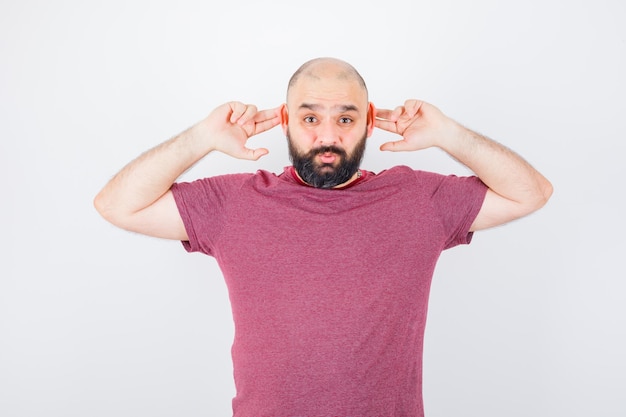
(327, 134)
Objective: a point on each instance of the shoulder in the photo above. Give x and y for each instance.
(426, 183)
(229, 180)
(423, 177)
(406, 174)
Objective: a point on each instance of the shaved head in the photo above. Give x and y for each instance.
(319, 68)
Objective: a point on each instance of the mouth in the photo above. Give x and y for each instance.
(329, 155)
(328, 158)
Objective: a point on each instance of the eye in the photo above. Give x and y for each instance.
(345, 120)
(310, 119)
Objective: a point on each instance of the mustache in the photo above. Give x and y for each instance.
(328, 149)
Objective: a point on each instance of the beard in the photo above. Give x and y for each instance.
(326, 175)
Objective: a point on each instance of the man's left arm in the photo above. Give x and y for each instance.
(516, 189)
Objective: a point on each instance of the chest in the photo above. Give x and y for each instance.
(286, 242)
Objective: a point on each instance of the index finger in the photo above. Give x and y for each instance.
(266, 119)
(383, 114)
(267, 114)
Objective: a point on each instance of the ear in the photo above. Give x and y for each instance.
(284, 117)
(371, 118)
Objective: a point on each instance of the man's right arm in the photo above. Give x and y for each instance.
(138, 198)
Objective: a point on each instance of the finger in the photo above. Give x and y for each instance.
(397, 112)
(266, 125)
(412, 107)
(392, 115)
(253, 154)
(395, 146)
(266, 119)
(237, 109)
(265, 115)
(248, 115)
(383, 114)
(386, 125)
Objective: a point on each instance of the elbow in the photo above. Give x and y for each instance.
(114, 211)
(542, 194)
(98, 204)
(105, 208)
(536, 197)
(546, 190)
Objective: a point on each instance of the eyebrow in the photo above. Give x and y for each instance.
(341, 108)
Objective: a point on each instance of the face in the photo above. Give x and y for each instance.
(327, 120)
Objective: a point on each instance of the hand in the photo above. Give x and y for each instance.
(421, 125)
(230, 125)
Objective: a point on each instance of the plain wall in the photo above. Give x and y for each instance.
(528, 320)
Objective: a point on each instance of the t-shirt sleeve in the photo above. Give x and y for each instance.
(201, 205)
(457, 201)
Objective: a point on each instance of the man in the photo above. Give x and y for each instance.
(328, 266)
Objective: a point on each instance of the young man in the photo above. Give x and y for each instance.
(328, 266)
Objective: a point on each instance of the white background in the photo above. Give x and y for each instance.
(529, 320)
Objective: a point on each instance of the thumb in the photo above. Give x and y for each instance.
(253, 154)
(396, 146)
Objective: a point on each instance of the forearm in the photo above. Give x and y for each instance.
(144, 180)
(501, 169)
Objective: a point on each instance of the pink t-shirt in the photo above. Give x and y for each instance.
(329, 288)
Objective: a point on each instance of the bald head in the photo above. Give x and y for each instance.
(326, 68)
